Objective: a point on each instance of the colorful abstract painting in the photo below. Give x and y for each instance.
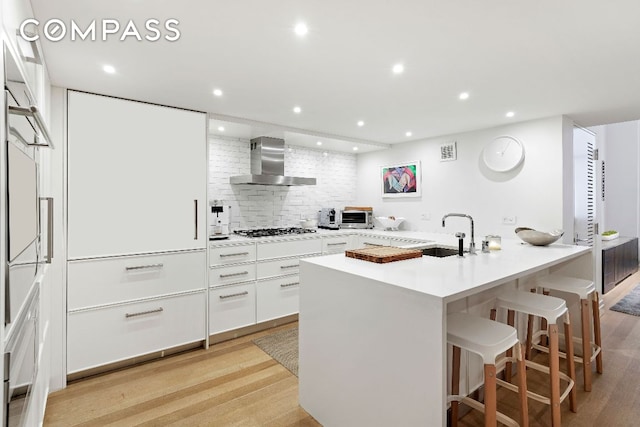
(402, 180)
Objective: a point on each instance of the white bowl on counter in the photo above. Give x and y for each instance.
(538, 238)
(308, 223)
(390, 223)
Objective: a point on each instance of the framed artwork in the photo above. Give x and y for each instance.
(402, 180)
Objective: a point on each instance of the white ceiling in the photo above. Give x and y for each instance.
(542, 58)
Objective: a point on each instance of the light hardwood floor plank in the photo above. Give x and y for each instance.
(234, 383)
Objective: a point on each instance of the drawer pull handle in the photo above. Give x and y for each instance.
(288, 285)
(242, 273)
(337, 244)
(142, 313)
(239, 294)
(372, 244)
(290, 266)
(144, 267)
(235, 254)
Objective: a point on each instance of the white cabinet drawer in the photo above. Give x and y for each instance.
(231, 254)
(336, 244)
(279, 267)
(277, 297)
(110, 334)
(288, 248)
(232, 274)
(111, 280)
(231, 307)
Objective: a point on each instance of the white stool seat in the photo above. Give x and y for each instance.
(573, 285)
(481, 336)
(586, 291)
(550, 308)
(489, 340)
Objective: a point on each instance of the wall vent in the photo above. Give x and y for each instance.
(448, 152)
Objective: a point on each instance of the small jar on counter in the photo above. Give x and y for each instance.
(494, 242)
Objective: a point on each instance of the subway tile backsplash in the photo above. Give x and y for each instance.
(254, 206)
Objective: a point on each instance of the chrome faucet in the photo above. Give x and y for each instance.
(472, 245)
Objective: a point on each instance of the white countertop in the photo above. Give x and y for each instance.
(452, 277)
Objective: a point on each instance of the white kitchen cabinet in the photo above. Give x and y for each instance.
(337, 244)
(232, 274)
(114, 333)
(366, 240)
(279, 267)
(288, 248)
(137, 176)
(232, 307)
(231, 253)
(111, 280)
(277, 297)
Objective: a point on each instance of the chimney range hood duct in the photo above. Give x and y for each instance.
(267, 165)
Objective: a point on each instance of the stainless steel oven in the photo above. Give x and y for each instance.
(356, 219)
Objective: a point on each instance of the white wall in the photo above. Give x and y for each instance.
(622, 177)
(533, 192)
(267, 205)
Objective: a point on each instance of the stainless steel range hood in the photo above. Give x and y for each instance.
(267, 165)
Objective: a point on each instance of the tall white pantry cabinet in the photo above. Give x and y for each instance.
(136, 230)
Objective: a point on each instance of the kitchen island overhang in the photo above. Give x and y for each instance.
(373, 336)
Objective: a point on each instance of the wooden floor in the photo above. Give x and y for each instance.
(237, 384)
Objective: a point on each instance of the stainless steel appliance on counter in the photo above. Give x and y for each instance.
(329, 218)
(219, 219)
(356, 218)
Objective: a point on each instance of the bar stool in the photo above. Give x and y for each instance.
(488, 339)
(551, 309)
(585, 290)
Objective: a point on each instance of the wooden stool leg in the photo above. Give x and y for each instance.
(543, 325)
(490, 399)
(455, 384)
(530, 320)
(597, 335)
(586, 343)
(527, 349)
(554, 370)
(522, 386)
(571, 364)
(511, 322)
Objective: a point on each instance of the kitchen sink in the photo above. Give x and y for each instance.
(439, 251)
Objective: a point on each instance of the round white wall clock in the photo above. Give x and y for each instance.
(503, 154)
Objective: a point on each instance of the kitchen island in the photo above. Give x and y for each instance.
(373, 345)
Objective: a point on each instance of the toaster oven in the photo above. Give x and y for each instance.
(356, 219)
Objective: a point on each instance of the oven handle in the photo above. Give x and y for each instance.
(33, 111)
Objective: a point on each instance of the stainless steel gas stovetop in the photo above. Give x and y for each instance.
(266, 232)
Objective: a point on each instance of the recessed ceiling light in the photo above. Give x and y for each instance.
(217, 92)
(301, 29)
(297, 110)
(325, 154)
(109, 69)
(398, 68)
(355, 148)
(510, 114)
(409, 133)
(464, 95)
(319, 143)
(360, 123)
(221, 128)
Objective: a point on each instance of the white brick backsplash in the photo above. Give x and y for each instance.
(273, 206)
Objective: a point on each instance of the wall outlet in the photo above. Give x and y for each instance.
(509, 220)
(426, 216)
